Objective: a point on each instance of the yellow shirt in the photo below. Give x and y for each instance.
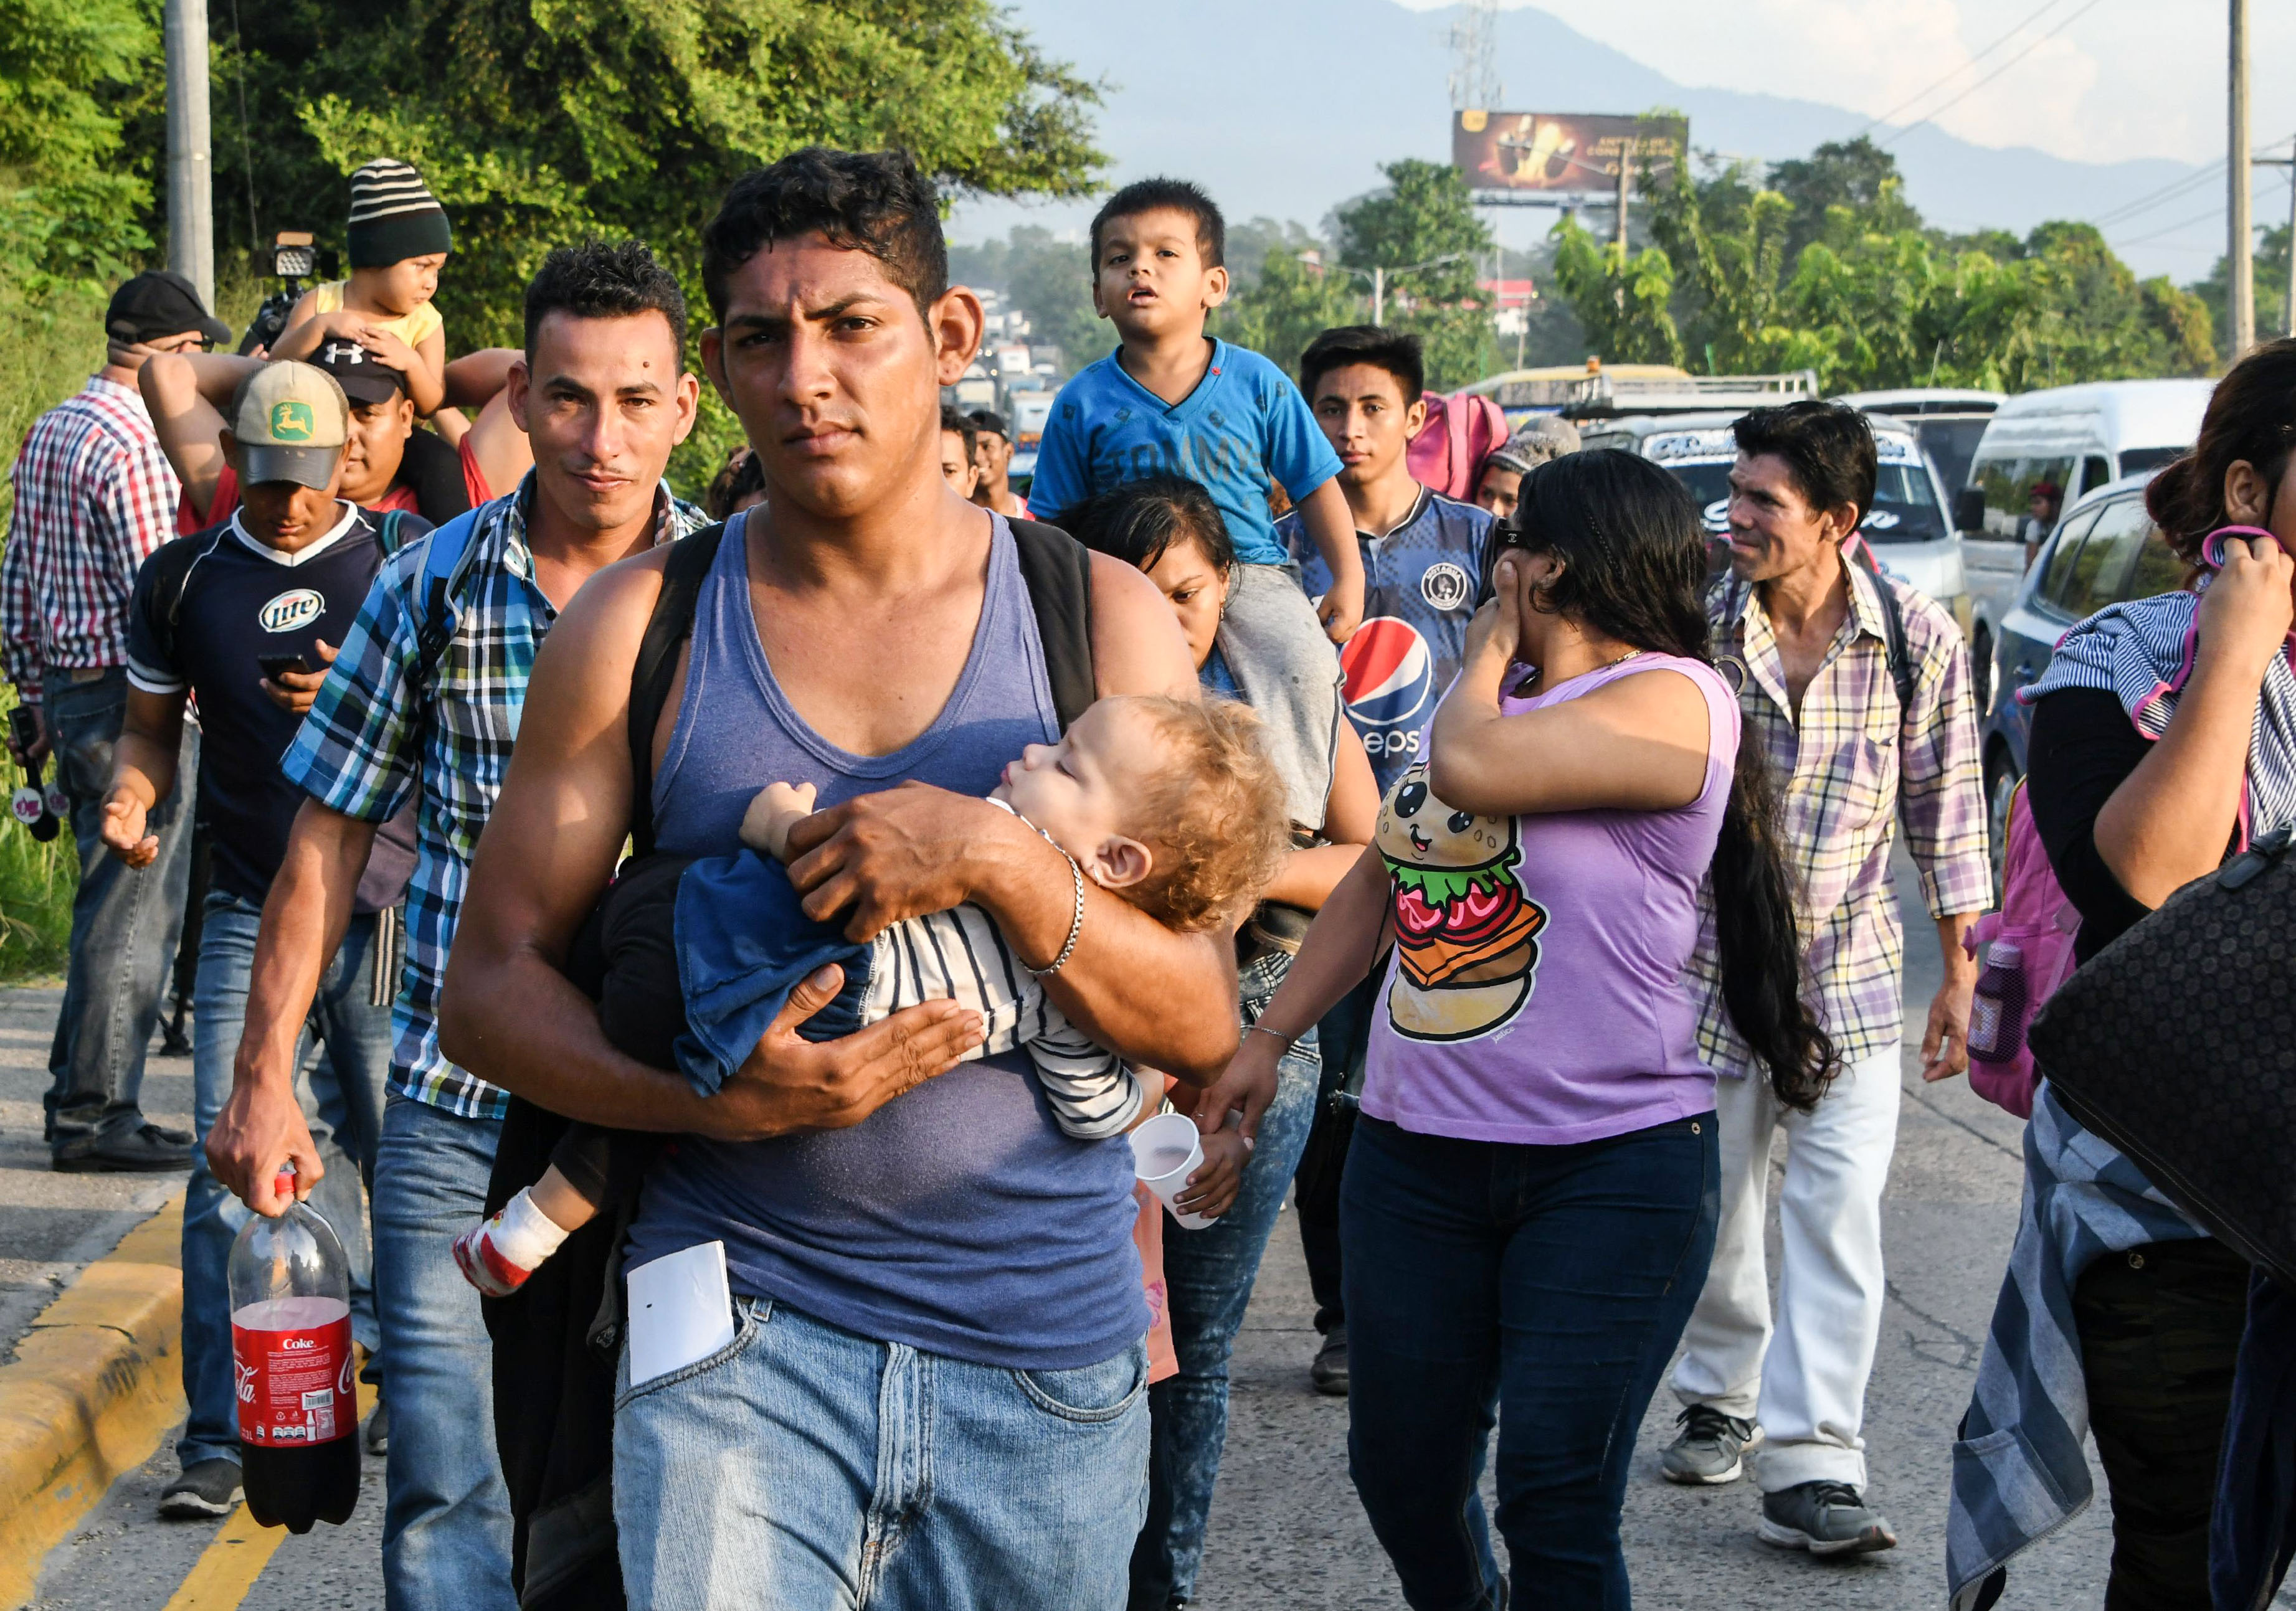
(411, 328)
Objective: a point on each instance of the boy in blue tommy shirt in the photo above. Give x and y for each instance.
(1169, 398)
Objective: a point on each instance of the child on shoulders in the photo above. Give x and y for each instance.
(1171, 398)
(399, 239)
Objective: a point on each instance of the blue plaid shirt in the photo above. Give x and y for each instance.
(368, 744)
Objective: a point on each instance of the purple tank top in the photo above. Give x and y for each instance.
(956, 1218)
(1537, 994)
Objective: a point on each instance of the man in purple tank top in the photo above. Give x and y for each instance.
(931, 1393)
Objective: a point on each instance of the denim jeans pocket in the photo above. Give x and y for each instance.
(751, 1315)
(1089, 1393)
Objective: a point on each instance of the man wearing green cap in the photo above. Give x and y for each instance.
(220, 615)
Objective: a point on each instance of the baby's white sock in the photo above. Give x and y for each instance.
(523, 1234)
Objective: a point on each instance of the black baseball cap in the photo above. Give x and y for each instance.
(988, 419)
(159, 304)
(363, 377)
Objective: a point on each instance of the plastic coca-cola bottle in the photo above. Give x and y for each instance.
(296, 1372)
(1997, 1012)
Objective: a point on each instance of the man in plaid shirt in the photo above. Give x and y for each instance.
(1807, 636)
(94, 498)
(604, 396)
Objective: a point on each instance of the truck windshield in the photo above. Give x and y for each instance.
(1904, 507)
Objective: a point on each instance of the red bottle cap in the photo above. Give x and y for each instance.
(282, 1185)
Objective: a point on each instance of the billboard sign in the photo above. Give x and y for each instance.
(1562, 152)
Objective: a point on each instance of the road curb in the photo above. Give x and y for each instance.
(95, 1384)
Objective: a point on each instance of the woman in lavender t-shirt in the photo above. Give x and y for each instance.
(1530, 1203)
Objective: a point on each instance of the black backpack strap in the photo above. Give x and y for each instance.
(667, 629)
(1058, 571)
(172, 573)
(1893, 639)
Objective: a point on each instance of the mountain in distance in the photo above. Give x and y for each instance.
(1285, 108)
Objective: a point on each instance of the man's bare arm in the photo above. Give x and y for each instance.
(506, 1011)
(305, 918)
(186, 394)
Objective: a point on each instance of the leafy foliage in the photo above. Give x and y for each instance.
(71, 199)
(1290, 301)
(1426, 212)
(1822, 264)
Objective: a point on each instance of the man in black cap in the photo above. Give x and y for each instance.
(387, 464)
(94, 496)
(993, 454)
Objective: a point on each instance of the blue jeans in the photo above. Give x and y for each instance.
(1208, 1276)
(803, 1466)
(125, 921)
(445, 1526)
(1549, 1283)
(347, 1088)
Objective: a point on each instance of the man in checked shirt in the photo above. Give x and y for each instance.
(94, 498)
(1807, 637)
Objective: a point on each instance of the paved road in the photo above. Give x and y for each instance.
(1286, 1530)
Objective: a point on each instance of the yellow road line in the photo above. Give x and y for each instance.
(229, 1566)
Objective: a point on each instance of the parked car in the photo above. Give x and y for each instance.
(1950, 421)
(1906, 533)
(2105, 551)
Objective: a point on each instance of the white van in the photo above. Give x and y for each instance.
(2045, 450)
(1949, 419)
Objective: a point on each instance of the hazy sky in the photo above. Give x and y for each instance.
(2123, 77)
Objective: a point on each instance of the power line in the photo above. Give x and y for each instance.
(1931, 117)
(2174, 190)
(1944, 78)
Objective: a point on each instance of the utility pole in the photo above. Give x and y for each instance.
(1625, 184)
(191, 207)
(2241, 246)
(2288, 314)
(1379, 296)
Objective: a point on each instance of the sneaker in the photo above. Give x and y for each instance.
(1708, 1449)
(376, 1435)
(147, 1150)
(1825, 1518)
(209, 1488)
(1330, 1370)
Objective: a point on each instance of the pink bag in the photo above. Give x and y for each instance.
(1461, 432)
(2039, 922)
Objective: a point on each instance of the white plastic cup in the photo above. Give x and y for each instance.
(1166, 1151)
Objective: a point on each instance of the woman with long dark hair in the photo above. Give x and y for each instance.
(1529, 1204)
(2164, 740)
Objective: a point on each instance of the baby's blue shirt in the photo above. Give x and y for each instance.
(1243, 428)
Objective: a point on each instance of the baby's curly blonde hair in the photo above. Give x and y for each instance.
(1214, 819)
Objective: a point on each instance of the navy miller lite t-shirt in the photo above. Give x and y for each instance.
(1421, 583)
(240, 600)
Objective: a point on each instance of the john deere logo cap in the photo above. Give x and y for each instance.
(290, 421)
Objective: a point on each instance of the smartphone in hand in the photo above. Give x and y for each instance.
(276, 666)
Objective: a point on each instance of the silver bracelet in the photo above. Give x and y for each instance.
(1076, 923)
(1286, 1040)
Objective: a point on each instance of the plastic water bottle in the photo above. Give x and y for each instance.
(1997, 1012)
(294, 1368)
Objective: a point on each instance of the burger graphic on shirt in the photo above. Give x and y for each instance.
(1465, 936)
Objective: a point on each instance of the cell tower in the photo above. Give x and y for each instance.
(1474, 80)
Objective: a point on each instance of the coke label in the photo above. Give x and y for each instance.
(295, 1371)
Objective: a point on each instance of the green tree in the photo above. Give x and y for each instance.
(1290, 301)
(2271, 279)
(70, 198)
(1623, 303)
(1425, 212)
(1855, 174)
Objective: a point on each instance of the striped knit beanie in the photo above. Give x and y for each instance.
(394, 216)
